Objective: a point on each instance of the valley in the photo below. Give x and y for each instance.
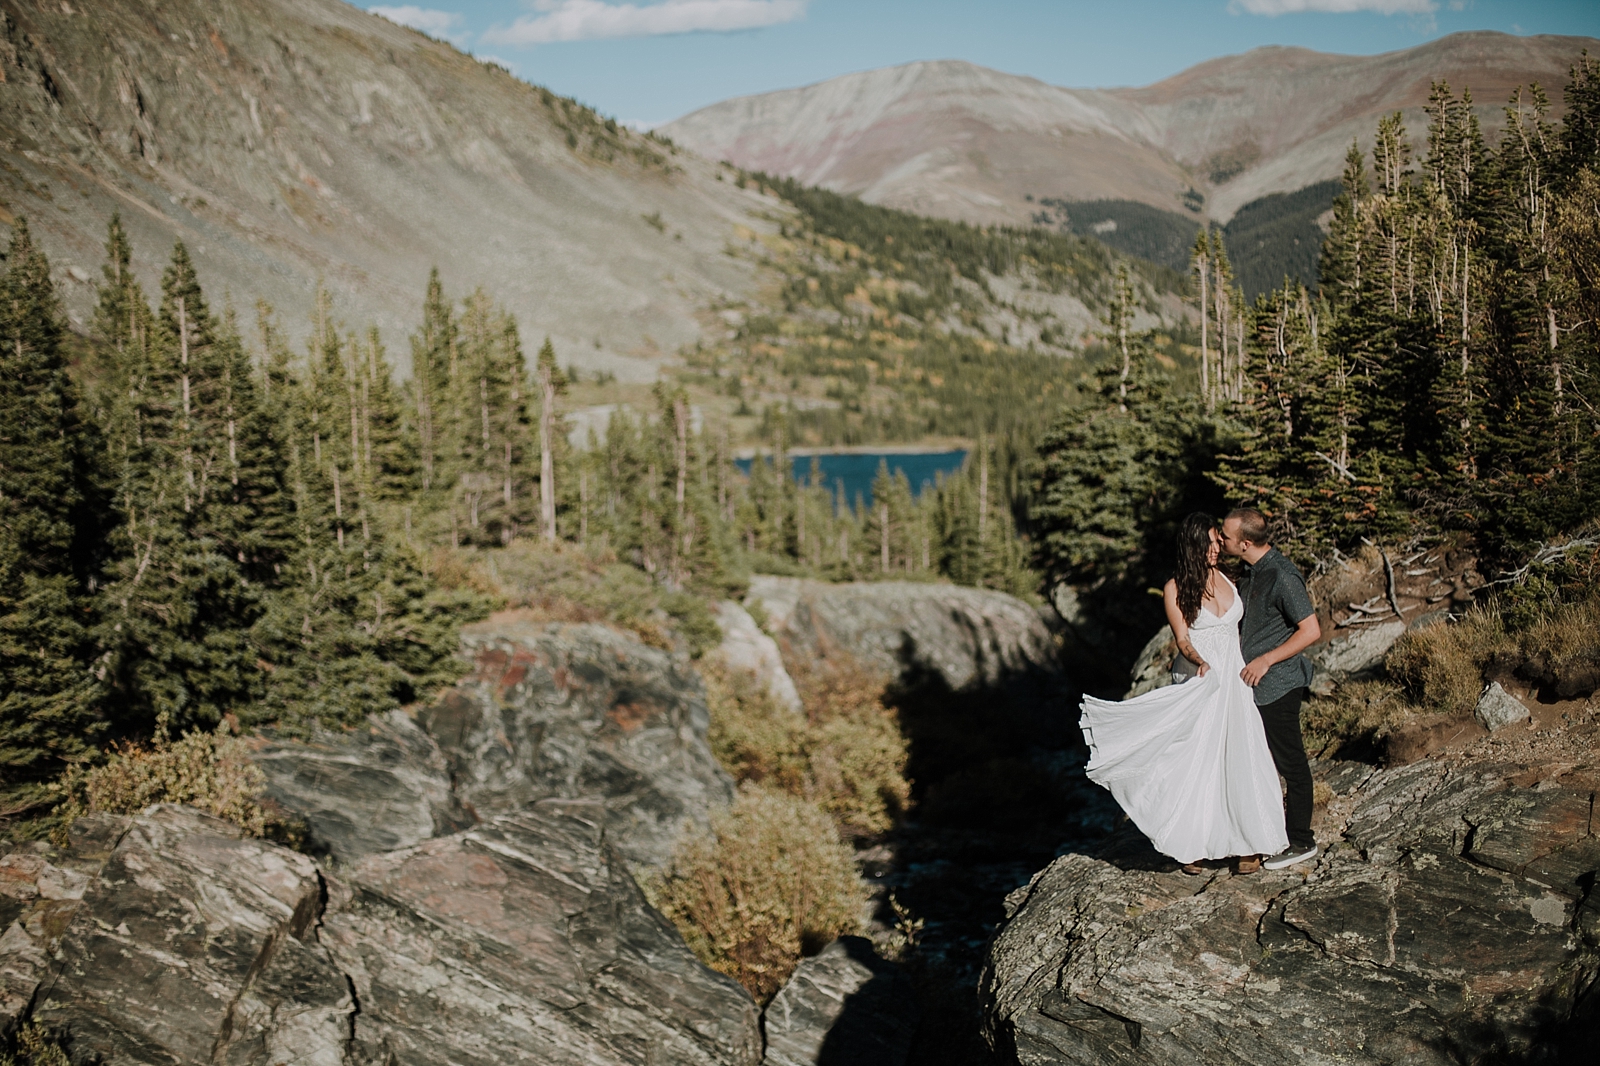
(447, 569)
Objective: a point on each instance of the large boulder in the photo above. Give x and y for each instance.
(1448, 920)
(384, 785)
(526, 940)
(580, 712)
(967, 637)
(193, 943)
(1153, 668)
(170, 937)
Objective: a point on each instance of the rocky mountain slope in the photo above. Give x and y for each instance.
(288, 141)
(953, 139)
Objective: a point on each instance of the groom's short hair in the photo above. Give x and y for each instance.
(1252, 525)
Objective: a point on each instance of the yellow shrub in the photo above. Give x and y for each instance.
(34, 1046)
(1354, 716)
(770, 881)
(1441, 667)
(846, 754)
(204, 770)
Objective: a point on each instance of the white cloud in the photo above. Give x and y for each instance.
(433, 23)
(1336, 7)
(587, 20)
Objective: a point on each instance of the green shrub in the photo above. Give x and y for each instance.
(769, 882)
(566, 583)
(210, 771)
(33, 1046)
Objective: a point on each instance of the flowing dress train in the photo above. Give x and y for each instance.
(1189, 763)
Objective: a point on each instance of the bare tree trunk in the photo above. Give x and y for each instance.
(1205, 323)
(188, 437)
(983, 493)
(338, 506)
(547, 459)
(883, 526)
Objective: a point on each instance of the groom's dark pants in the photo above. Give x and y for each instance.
(1282, 720)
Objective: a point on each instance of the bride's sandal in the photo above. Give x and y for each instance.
(1193, 869)
(1247, 864)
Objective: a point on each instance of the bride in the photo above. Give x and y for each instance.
(1189, 763)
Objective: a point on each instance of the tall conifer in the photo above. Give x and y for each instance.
(48, 710)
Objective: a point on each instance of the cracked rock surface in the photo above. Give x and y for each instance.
(169, 937)
(1451, 918)
(549, 711)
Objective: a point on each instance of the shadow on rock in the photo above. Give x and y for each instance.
(999, 790)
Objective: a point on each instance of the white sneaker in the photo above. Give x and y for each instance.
(1289, 856)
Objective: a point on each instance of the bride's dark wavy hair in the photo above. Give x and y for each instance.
(1192, 571)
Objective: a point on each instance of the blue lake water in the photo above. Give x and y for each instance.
(857, 469)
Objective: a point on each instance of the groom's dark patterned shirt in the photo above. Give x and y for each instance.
(1275, 603)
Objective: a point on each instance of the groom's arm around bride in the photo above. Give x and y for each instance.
(1279, 624)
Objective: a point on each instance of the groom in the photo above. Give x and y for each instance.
(1279, 623)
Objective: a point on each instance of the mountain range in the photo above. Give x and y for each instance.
(953, 139)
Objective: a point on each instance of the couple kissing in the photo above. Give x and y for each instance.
(1195, 765)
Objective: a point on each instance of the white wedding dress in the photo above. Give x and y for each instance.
(1189, 763)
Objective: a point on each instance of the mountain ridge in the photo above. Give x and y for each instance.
(292, 142)
(1234, 128)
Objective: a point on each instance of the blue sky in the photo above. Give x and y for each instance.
(648, 61)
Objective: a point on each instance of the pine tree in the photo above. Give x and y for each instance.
(432, 358)
(49, 707)
(202, 522)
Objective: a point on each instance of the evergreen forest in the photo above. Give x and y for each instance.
(201, 525)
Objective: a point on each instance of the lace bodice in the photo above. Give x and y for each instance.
(1214, 634)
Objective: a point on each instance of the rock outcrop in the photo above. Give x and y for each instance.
(525, 940)
(1451, 917)
(367, 790)
(580, 712)
(844, 1006)
(747, 649)
(169, 937)
(565, 711)
(191, 943)
(968, 637)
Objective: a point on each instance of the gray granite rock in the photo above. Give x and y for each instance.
(1498, 708)
(526, 940)
(1153, 668)
(845, 1006)
(580, 712)
(169, 937)
(1437, 927)
(1353, 654)
(196, 944)
(380, 786)
(746, 648)
(968, 637)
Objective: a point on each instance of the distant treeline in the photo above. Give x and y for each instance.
(1269, 239)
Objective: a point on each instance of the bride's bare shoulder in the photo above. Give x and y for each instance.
(1171, 586)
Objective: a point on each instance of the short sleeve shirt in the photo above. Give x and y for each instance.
(1275, 603)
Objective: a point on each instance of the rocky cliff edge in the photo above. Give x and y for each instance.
(1451, 918)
